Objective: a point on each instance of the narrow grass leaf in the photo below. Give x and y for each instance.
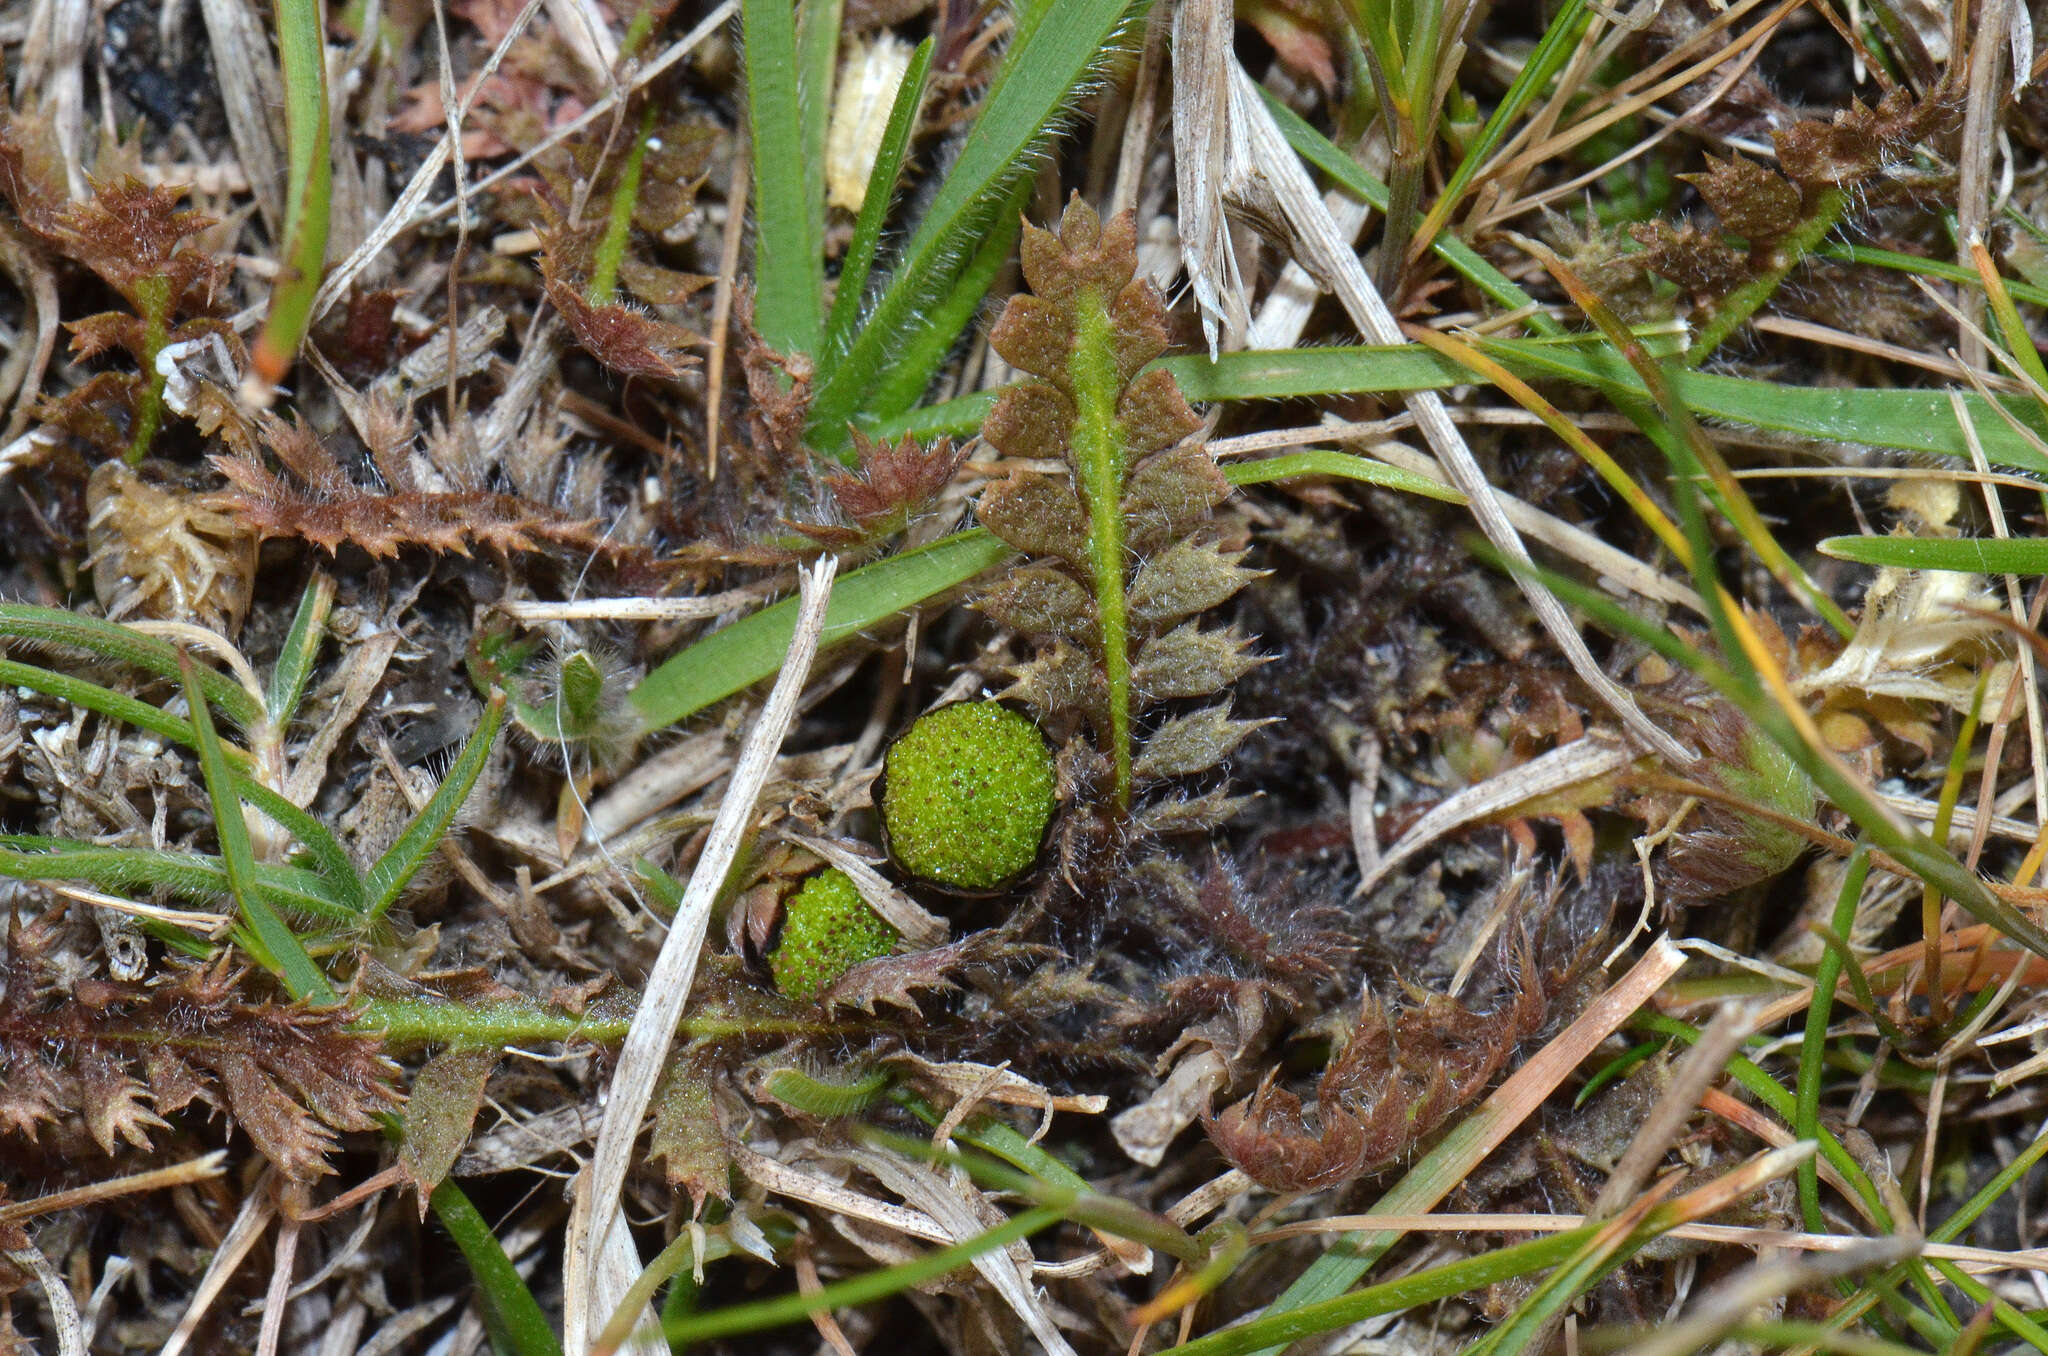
(106, 702)
(331, 859)
(1044, 68)
(191, 876)
(1943, 269)
(874, 206)
(301, 976)
(511, 1314)
(1559, 41)
(926, 348)
(875, 1285)
(391, 873)
(1958, 555)
(1813, 1047)
(294, 667)
(124, 645)
(302, 51)
(789, 222)
(740, 655)
(1344, 466)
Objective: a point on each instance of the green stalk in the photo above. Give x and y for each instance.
(154, 296)
(1738, 306)
(287, 956)
(611, 247)
(1099, 469)
(514, 1319)
(1813, 1047)
(303, 53)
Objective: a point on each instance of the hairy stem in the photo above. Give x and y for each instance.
(1099, 465)
(1739, 305)
(604, 274)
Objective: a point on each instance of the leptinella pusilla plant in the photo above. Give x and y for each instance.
(1125, 550)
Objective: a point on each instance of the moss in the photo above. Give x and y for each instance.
(968, 795)
(827, 929)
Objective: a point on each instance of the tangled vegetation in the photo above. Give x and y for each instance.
(1062, 677)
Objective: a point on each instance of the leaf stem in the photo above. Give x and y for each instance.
(1738, 306)
(1099, 467)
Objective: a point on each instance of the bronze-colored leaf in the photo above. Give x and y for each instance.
(1190, 662)
(1170, 495)
(1042, 602)
(1753, 202)
(1037, 515)
(1184, 579)
(1192, 743)
(446, 1094)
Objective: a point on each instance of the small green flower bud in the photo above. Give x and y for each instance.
(827, 929)
(968, 793)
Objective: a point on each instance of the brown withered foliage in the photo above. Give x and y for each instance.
(1403, 1072)
(312, 499)
(143, 246)
(117, 1058)
(628, 340)
(1166, 489)
(1759, 207)
(892, 483)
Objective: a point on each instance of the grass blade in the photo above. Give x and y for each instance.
(326, 850)
(302, 50)
(1055, 49)
(789, 237)
(513, 1317)
(191, 876)
(1959, 555)
(301, 977)
(1814, 1044)
(294, 667)
(927, 348)
(1551, 52)
(771, 1313)
(1344, 465)
(391, 873)
(874, 207)
(111, 640)
(106, 702)
(752, 648)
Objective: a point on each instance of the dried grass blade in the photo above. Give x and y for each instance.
(668, 987)
(1275, 165)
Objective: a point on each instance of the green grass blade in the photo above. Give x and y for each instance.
(1052, 55)
(1346, 466)
(874, 206)
(1960, 555)
(1814, 1045)
(789, 237)
(302, 51)
(294, 667)
(301, 977)
(1904, 419)
(513, 1317)
(771, 1313)
(391, 873)
(106, 702)
(1944, 269)
(752, 648)
(190, 876)
(1909, 420)
(326, 850)
(1559, 40)
(927, 348)
(123, 645)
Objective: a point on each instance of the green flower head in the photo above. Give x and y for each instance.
(827, 929)
(967, 795)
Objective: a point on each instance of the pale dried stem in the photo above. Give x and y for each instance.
(592, 1284)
